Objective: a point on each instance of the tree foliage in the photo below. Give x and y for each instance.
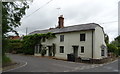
(116, 45)
(12, 12)
(106, 39)
(111, 48)
(54, 49)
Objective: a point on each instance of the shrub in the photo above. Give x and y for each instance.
(5, 60)
(118, 50)
(112, 48)
(14, 45)
(43, 52)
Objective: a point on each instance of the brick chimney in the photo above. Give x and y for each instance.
(60, 22)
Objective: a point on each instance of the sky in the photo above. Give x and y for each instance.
(103, 12)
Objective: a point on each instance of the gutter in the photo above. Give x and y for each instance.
(92, 45)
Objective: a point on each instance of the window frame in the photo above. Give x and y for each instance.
(61, 38)
(82, 49)
(61, 49)
(81, 38)
(102, 52)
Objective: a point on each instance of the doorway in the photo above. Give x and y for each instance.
(50, 51)
(75, 51)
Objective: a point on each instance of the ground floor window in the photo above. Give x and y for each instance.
(37, 49)
(102, 52)
(61, 49)
(82, 49)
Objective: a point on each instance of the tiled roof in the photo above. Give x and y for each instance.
(80, 27)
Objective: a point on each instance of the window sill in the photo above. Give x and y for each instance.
(61, 53)
(82, 41)
(82, 53)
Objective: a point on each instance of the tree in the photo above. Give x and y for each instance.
(117, 40)
(54, 49)
(12, 12)
(106, 39)
(111, 48)
(115, 45)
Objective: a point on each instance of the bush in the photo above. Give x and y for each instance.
(4, 46)
(28, 51)
(112, 48)
(14, 46)
(43, 52)
(5, 60)
(118, 50)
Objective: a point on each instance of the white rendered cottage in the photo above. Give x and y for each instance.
(85, 41)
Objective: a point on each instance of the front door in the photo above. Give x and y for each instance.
(75, 51)
(49, 50)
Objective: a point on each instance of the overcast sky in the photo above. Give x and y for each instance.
(103, 12)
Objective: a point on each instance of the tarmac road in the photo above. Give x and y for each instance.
(40, 64)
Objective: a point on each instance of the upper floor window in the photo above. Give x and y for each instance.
(82, 37)
(61, 38)
(61, 49)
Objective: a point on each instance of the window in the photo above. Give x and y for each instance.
(61, 38)
(37, 49)
(61, 49)
(82, 49)
(82, 37)
(43, 39)
(102, 53)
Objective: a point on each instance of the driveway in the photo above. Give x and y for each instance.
(39, 64)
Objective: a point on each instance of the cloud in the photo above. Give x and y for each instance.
(75, 12)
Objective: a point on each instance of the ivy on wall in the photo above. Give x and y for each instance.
(30, 41)
(54, 49)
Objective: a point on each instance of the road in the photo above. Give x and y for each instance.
(40, 64)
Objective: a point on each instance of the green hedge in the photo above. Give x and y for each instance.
(15, 45)
(113, 49)
(27, 45)
(5, 60)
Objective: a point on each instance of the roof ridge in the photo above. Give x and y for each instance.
(68, 28)
(81, 24)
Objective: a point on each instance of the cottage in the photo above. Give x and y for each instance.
(85, 41)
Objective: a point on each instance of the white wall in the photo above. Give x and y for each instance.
(99, 40)
(73, 38)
